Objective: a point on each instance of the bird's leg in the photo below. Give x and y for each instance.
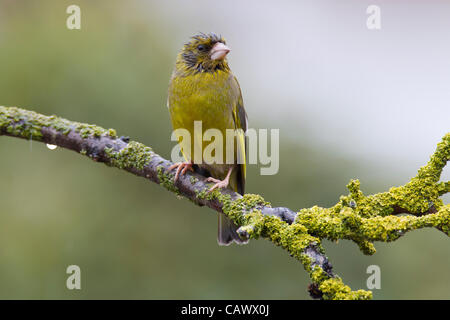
(182, 167)
(220, 183)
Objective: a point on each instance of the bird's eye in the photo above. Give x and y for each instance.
(201, 47)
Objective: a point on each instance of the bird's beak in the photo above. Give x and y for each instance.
(219, 51)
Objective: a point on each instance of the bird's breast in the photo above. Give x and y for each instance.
(206, 97)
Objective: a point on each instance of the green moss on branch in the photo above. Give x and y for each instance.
(134, 155)
(29, 124)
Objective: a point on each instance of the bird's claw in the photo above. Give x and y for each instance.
(182, 167)
(218, 184)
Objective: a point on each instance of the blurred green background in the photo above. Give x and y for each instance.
(132, 238)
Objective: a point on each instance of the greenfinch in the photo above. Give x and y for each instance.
(202, 88)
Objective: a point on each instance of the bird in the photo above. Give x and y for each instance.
(203, 88)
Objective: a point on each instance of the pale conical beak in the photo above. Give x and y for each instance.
(219, 51)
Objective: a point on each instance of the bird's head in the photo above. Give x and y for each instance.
(204, 53)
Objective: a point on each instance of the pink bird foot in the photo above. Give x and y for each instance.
(182, 167)
(220, 184)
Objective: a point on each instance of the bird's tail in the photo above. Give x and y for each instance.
(227, 232)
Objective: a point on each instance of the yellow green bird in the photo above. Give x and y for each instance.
(202, 88)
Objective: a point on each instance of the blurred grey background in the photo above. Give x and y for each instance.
(349, 102)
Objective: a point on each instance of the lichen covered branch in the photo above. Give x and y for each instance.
(357, 217)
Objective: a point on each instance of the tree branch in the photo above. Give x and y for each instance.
(362, 219)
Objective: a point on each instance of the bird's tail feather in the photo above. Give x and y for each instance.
(227, 232)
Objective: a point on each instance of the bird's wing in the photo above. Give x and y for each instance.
(240, 121)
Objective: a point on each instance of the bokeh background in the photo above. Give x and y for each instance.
(349, 102)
